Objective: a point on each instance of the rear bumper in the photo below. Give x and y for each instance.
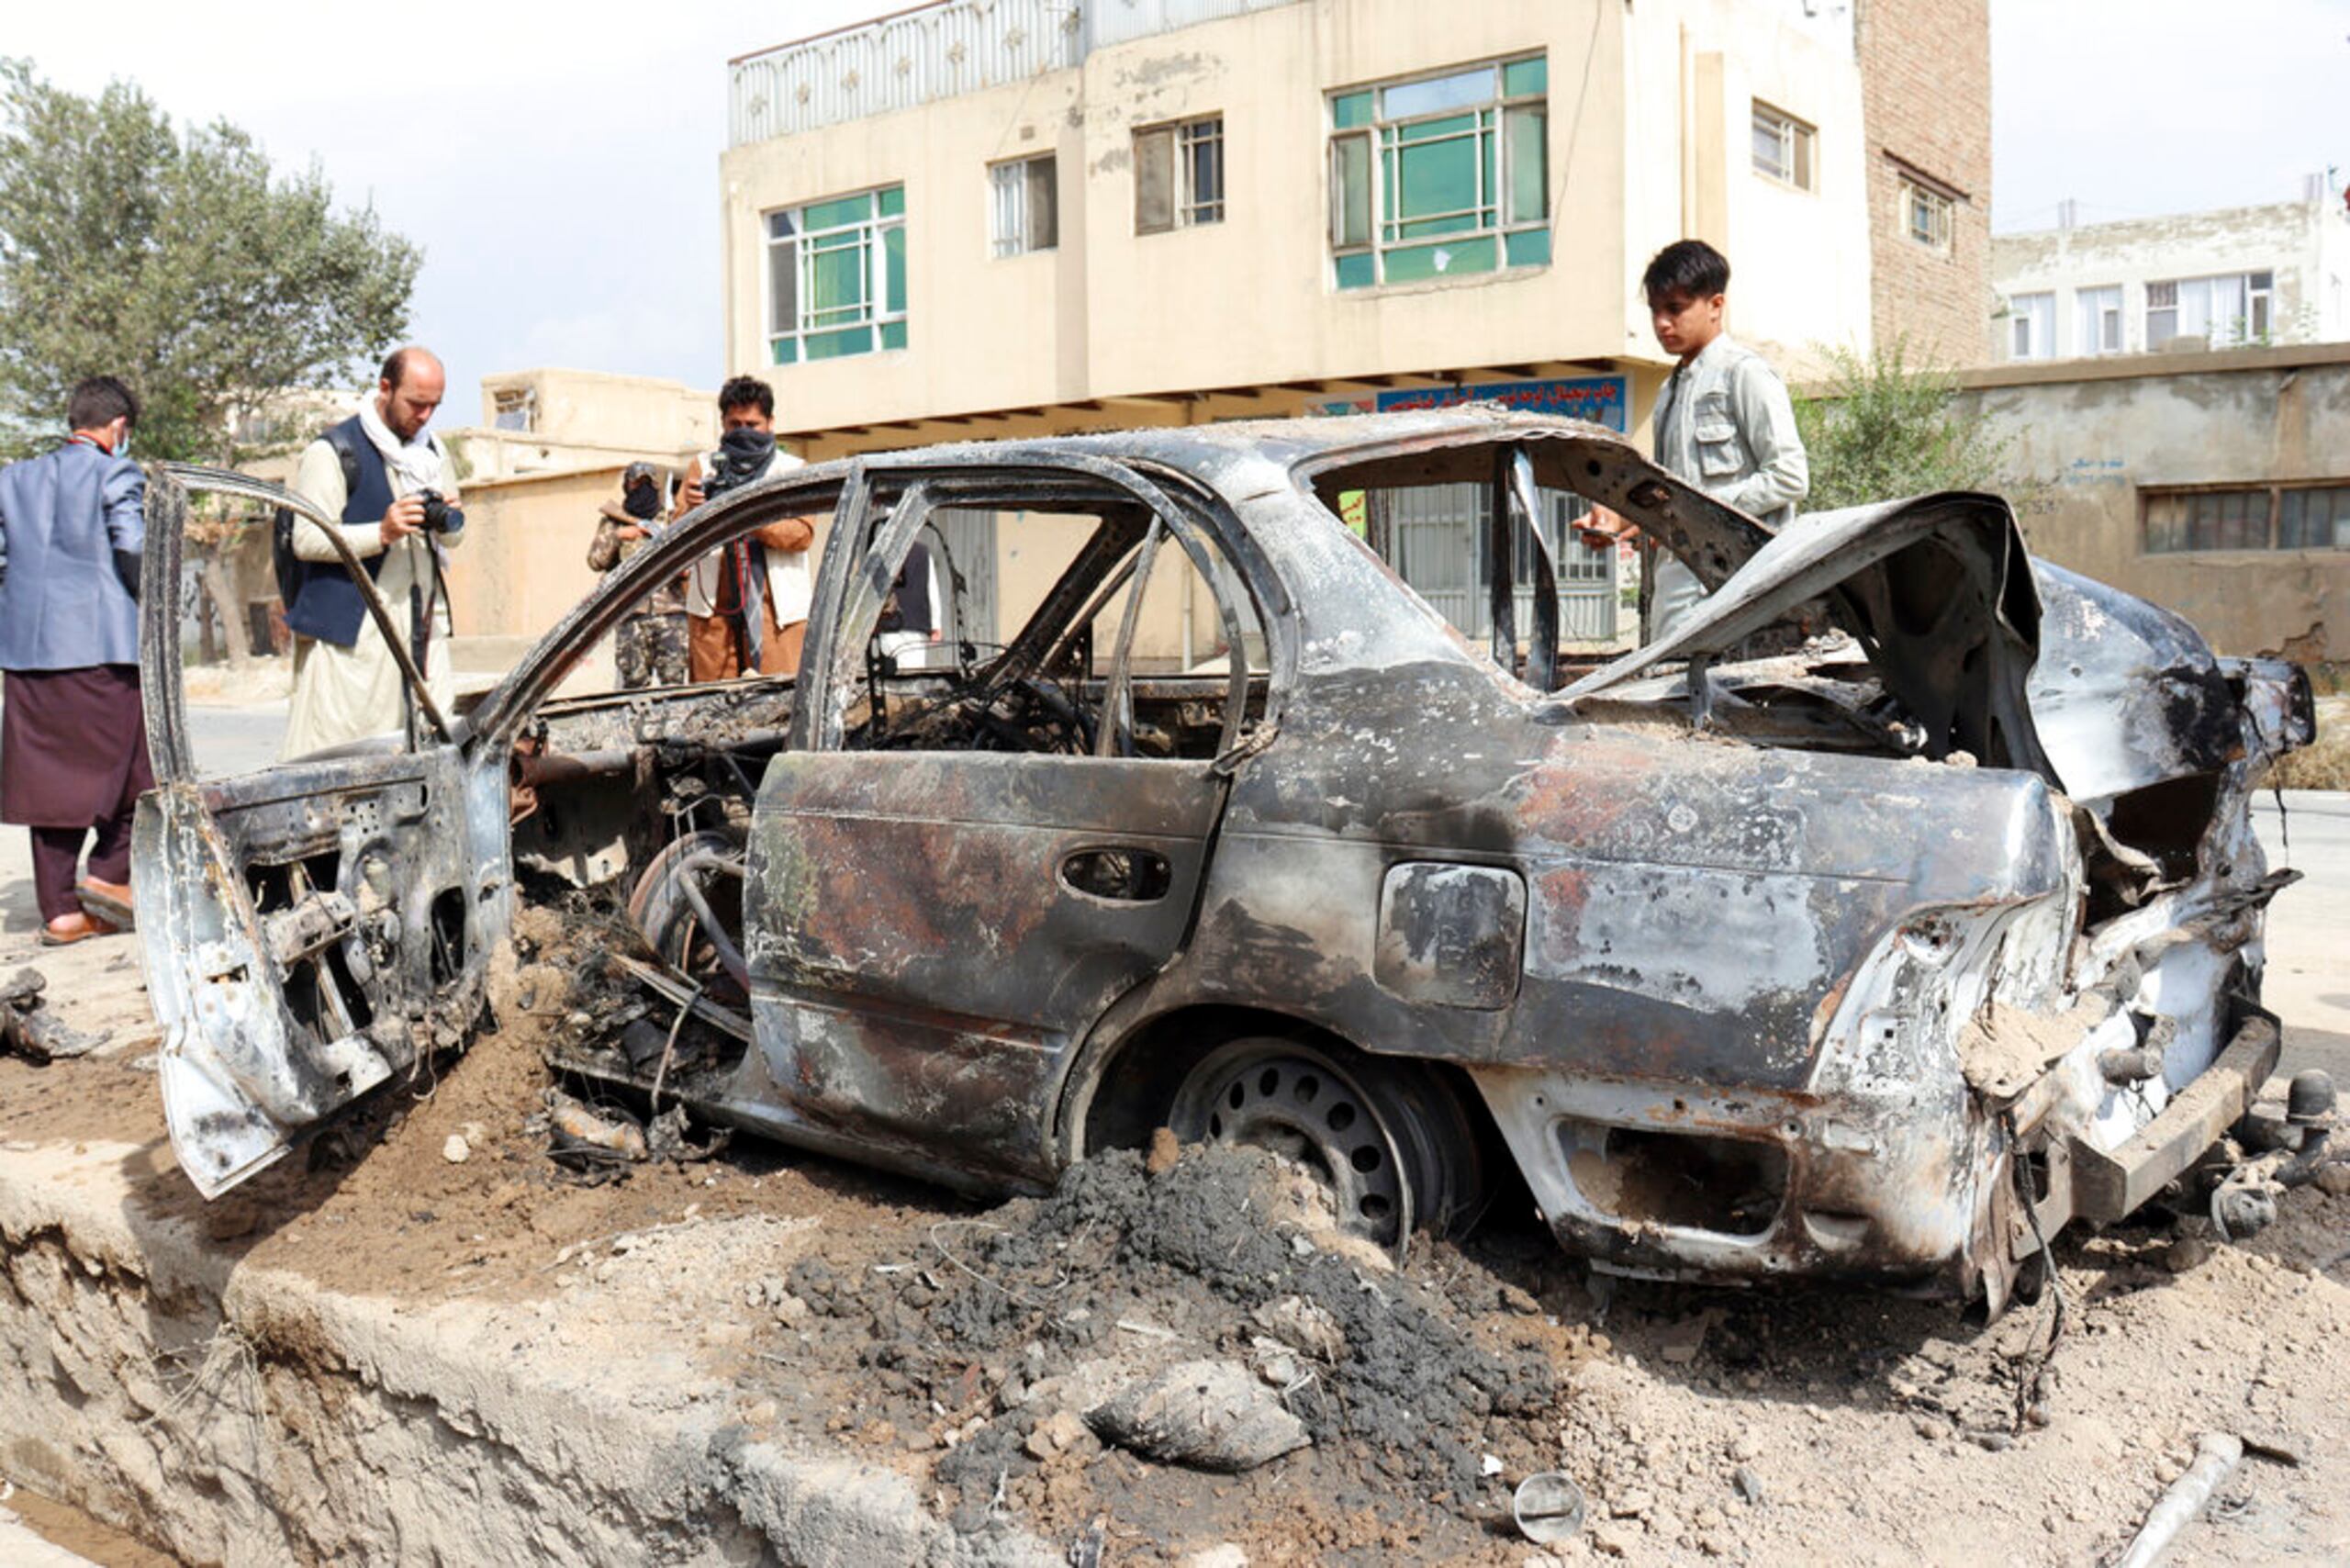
(2107, 1184)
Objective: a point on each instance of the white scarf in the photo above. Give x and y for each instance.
(410, 465)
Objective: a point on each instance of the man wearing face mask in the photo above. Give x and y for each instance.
(395, 491)
(73, 728)
(746, 602)
(649, 645)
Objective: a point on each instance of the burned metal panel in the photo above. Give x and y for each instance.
(933, 1086)
(1694, 907)
(1937, 591)
(309, 932)
(2126, 694)
(953, 881)
(1452, 936)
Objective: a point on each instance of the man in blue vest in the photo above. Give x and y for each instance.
(73, 729)
(395, 492)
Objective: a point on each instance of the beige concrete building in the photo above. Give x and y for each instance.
(2274, 274)
(550, 449)
(1023, 216)
(2217, 484)
(555, 421)
(1003, 217)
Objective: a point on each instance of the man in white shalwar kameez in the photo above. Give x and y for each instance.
(347, 685)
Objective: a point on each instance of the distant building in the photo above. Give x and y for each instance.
(2216, 483)
(556, 421)
(550, 448)
(2236, 276)
(997, 217)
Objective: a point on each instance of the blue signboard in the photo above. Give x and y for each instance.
(1599, 399)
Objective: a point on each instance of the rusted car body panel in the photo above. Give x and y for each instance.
(1820, 963)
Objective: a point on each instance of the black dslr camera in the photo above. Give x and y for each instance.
(731, 470)
(439, 517)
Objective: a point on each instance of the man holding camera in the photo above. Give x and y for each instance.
(746, 602)
(395, 491)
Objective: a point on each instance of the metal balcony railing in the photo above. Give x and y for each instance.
(935, 51)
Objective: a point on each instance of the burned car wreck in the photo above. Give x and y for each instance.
(1879, 956)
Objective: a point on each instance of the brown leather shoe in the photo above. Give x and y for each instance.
(109, 902)
(68, 929)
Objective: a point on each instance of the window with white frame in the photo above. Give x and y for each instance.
(1179, 174)
(1783, 147)
(2032, 326)
(1025, 204)
(836, 277)
(2234, 307)
(1926, 214)
(2099, 319)
(1442, 176)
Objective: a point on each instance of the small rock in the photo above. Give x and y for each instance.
(1930, 1429)
(1744, 1450)
(1632, 1505)
(1993, 1442)
(792, 1311)
(1164, 1151)
(2186, 1252)
(1208, 1415)
(2334, 1179)
(1749, 1484)
(1489, 1466)
(1223, 1554)
(1616, 1539)
(1056, 1434)
(1275, 1362)
(456, 1151)
(1302, 1326)
(1515, 1299)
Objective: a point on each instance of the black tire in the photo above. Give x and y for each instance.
(1390, 1141)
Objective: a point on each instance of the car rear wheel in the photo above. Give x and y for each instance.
(1390, 1142)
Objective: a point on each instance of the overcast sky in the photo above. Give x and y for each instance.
(559, 164)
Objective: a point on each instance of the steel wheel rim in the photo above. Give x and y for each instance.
(1292, 1100)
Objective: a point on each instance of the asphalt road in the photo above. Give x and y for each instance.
(2309, 925)
(2307, 983)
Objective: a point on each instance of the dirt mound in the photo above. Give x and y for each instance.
(1006, 1325)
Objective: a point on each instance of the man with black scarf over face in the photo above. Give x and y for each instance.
(649, 645)
(746, 604)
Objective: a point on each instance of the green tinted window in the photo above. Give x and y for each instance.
(1458, 178)
(836, 277)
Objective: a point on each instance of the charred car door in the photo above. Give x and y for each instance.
(313, 929)
(947, 888)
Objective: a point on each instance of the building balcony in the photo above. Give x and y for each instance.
(918, 56)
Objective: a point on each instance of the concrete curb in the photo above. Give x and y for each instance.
(230, 1413)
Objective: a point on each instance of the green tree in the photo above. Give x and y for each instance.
(1882, 429)
(182, 262)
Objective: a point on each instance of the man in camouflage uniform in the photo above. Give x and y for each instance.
(649, 645)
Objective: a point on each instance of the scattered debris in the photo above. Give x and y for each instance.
(31, 1031)
(1206, 1415)
(1302, 1326)
(584, 1137)
(2216, 1457)
(456, 1151)
(1549, 1507)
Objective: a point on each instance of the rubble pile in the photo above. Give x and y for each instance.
(1198, 1310)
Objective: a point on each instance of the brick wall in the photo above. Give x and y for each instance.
(1925, 103)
